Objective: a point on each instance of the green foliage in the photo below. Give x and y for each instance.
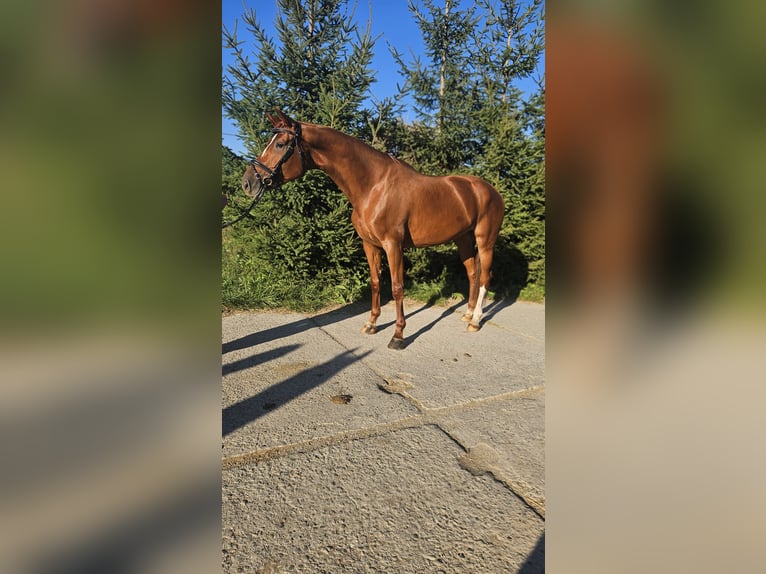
(295, 251)
(319, 73)
(446, 98)
(514, 162)
(473, 119)
(232, 168)
(299, 250)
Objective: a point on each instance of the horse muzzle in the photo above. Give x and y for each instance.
(252, 186)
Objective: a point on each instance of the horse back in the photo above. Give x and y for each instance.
(444, 208)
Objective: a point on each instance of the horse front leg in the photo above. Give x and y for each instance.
(373, 259)
(471, 262)
(396, 264)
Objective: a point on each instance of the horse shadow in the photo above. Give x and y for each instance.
(448, 311)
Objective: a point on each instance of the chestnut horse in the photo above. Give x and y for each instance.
(394, 207)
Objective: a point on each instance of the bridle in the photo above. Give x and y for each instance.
(274, 175)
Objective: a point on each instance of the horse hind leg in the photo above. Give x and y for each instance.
(486, 232)
(475, 320)
(484, 257)
(473, 297)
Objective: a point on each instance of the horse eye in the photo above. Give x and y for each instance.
(280, 145)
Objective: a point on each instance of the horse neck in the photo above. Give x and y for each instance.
(350, 163)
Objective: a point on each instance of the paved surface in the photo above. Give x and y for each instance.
(341, 455)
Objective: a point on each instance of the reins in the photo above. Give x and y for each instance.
(274, 175)
(245, 213)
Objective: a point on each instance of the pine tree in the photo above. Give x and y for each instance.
(446, 100)
(317, 70)
(474, 118)
(507, 48)
(232, 167)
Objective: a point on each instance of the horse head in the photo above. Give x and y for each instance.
(278, 162)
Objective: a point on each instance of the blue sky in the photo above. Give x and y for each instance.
(391, 21)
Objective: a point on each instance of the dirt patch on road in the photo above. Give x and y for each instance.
(341, 399)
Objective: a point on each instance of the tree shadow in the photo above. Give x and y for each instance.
(290, 329)
(257, 359)
(248, 410)
(535, 562)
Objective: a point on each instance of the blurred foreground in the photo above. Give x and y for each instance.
(655, 147)
(110, 333)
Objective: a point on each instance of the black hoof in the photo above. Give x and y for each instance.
(396, 344)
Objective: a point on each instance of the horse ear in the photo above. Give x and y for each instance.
(284, 117)
(272, 119)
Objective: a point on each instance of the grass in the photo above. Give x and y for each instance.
(433, 276)
(441, 294)
(534, 293)
(259, 291)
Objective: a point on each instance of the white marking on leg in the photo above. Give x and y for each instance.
(479, 303)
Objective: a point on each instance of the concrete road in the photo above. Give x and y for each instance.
(341, 455)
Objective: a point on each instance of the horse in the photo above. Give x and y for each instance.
(394, 207)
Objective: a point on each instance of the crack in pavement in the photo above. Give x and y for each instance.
(479, 459)
(427, 417)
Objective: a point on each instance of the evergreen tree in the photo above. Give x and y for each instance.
(232, 168)
(318, 71)
(508, 47)
(300, 246)
(473, 117)
(446, 99)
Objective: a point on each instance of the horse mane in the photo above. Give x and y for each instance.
(401, 161)
(386, 155)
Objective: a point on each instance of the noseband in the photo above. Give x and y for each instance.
(274, 175)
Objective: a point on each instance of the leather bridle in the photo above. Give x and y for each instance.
(274, 176)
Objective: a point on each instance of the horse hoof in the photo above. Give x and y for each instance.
(473, 327)
(369, 329)
(467, 316)
(396, 344)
